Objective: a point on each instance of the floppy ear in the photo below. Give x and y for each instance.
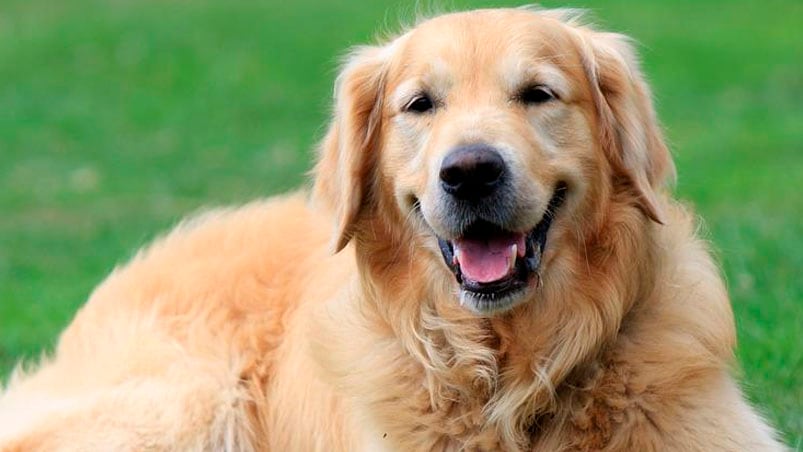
(347, 155)
(631, 136)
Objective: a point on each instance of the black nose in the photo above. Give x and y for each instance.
(472, 172)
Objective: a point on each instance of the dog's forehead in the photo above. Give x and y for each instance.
(511, 43)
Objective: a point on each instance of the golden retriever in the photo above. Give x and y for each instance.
(511, 274)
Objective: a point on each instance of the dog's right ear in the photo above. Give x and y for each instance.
(347, 156)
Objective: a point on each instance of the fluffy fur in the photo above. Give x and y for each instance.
(242, 331)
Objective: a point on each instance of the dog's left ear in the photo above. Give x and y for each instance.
(348, 153)
(631, 136)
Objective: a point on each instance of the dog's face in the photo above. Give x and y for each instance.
(486, 134)
(486, 129)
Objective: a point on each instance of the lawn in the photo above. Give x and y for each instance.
(117, 118)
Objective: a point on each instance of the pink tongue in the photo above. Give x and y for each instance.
(488, 260)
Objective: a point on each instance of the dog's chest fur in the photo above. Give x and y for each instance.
(474, 390)
(461, 410)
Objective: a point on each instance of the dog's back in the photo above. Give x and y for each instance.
(174, 350)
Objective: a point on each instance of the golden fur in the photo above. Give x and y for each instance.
(241, 331)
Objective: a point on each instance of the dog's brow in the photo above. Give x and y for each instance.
(435, 80)
(523, 74)
(408, 88)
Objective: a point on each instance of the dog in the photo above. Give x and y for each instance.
(489, 258)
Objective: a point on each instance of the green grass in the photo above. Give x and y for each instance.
(119, 117)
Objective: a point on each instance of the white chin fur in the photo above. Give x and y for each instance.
(489, 305)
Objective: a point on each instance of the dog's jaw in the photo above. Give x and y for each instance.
(492, 304)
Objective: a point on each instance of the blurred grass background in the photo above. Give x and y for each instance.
(118, 117)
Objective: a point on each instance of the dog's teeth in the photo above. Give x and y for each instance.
(456, 256)
(513, 253)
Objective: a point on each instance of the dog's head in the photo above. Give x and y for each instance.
(497, 139)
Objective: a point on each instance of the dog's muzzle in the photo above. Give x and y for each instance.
(494, 265)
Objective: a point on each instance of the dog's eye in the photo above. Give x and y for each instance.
(533, 95)
(420, 104)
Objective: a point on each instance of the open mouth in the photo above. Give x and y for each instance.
(492, 264)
